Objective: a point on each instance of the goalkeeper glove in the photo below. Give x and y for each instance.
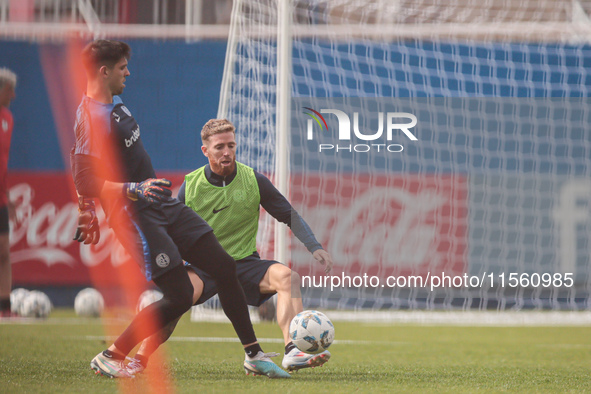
(150, 190)
(88, 226)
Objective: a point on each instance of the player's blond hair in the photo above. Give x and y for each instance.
(216, 126)
(7, 77)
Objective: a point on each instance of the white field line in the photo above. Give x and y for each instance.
(441, 318)
(236, 340)
(444, 318)
(467, 318)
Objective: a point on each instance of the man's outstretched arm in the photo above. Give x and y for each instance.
(277, 205)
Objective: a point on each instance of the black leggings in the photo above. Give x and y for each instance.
(208, 255)
(177, 290)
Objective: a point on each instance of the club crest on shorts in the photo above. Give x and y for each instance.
(162, 260)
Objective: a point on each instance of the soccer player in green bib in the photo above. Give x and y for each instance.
(228, 195)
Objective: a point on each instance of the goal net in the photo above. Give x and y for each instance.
(439, 149)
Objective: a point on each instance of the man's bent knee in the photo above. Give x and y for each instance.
(283, 278)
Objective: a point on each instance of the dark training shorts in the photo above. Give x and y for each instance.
(159, 234)
(249, 270)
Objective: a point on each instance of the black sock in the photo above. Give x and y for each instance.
(142, 360)
(252, 350)
(289, 347)
(4, 304)
(113, 355)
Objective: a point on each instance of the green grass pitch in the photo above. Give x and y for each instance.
(53, 355)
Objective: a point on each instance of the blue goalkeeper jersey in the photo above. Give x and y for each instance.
(109, 133)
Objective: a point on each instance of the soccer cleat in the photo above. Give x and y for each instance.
(297, 359)
(261, 364)
(134, 366)
(108, 366)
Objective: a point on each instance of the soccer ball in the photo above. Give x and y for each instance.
(311, 332)
(148, 297)
(89, 302)
(35, 304)
(17, 296)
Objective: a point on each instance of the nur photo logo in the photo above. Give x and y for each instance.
(390, 125)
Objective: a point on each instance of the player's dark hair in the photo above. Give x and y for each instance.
(104, 53)
(216, 126)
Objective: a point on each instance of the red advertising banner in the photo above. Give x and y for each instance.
(384, 224)
(375, 225)
(42, 249)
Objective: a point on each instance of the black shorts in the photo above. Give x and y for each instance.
(249, 270)
(4, 219)
(159, 234)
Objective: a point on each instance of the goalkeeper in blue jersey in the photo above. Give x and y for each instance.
(228, 195)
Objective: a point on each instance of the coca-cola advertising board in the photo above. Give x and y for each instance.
(378, 225)
(42, 248)
(384, 224)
